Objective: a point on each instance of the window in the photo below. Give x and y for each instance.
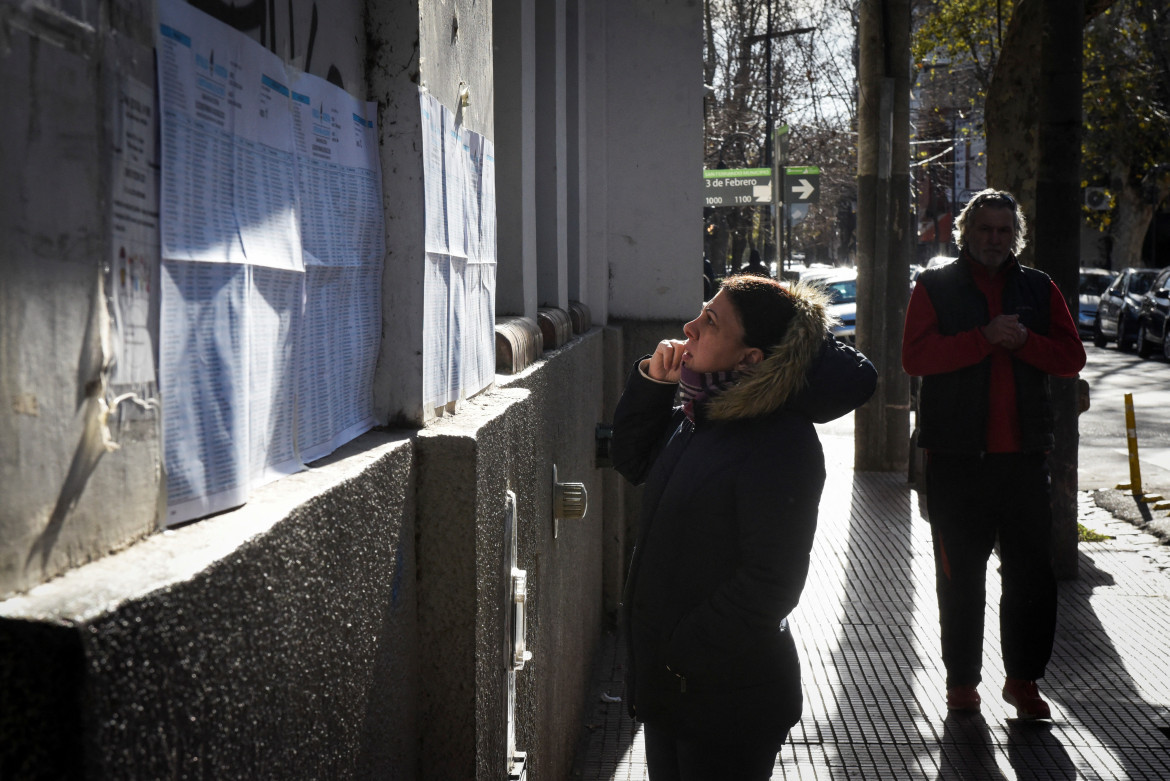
(1139, 283)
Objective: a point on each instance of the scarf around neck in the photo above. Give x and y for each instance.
(694, 388)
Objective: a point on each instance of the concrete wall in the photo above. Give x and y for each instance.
(65, 499)
(348, 622)
(654, 158)
(394, 44)
(274, 641)
(514, 34)
(505, 440)
(592, 18)
(564, 561)
(58, 485)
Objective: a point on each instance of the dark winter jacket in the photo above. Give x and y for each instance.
(729, 512)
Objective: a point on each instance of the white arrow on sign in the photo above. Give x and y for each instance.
(804, 189)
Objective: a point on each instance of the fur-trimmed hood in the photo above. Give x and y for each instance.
(809, 371)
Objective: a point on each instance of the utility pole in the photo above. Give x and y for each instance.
(769, 151)
(884, 234)
(770, 117)
(781, 139)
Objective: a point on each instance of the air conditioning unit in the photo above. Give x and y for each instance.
(1096, 198)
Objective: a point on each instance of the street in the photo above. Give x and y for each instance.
(1104, 459)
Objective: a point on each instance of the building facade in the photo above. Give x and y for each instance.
(354, 618)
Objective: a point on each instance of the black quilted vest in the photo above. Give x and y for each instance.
(952, 407)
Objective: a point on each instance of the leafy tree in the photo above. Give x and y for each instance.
(963, 34)
(1127, 119)
(1033, 121)
(1126, 100)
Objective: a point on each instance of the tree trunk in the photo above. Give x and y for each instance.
(884, 220)
(1011, 113)
(1033, 124)
(1133, 216)
(1057, 240)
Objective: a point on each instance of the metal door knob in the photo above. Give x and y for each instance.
(569, 501)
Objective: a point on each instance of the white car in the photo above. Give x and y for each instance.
(1093, 282)
(841, 285)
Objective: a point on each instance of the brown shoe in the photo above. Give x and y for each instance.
(1026, 697)
(963, 698)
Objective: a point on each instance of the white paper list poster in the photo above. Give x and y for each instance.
(343, 245)
(459, 191)
(134, 226)
(272, 243)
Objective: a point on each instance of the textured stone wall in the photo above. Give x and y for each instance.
(274, 641)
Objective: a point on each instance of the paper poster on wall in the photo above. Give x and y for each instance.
(134, 221)
(432, 158)
(459, 283)
(204, 419)
(480, 285)
(273, 245)
(228, 165)
(343, 246)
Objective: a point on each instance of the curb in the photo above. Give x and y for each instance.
(1125, 506)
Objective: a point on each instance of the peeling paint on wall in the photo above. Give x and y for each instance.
(96, 439)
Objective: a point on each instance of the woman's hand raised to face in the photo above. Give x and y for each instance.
(664, 365)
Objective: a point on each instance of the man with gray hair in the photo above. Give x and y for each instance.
(985, 334)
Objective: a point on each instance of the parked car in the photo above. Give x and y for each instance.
(1154, 317)
(1117, 310)
(940, 260)
(1093, 282)
(937, 260)
(841, 285)
(818, 271)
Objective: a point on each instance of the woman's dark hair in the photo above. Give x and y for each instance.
(765, 309)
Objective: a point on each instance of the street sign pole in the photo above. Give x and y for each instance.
(788, 230)
(779, 162)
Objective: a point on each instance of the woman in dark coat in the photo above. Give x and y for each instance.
(733, 479)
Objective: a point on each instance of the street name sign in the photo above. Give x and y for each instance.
(737, 187)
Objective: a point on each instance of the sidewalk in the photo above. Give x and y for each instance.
(867, 627)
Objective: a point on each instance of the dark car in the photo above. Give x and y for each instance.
(1154, 317)
(1117, 310)
(1091, 285)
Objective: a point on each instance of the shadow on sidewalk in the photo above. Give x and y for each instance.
(874, 683)
(861, 692)
(608, 741)
(1090, 678)
(967, 746)
(1103, 719)
(884, 716)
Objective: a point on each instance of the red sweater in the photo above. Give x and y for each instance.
(925, 351)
